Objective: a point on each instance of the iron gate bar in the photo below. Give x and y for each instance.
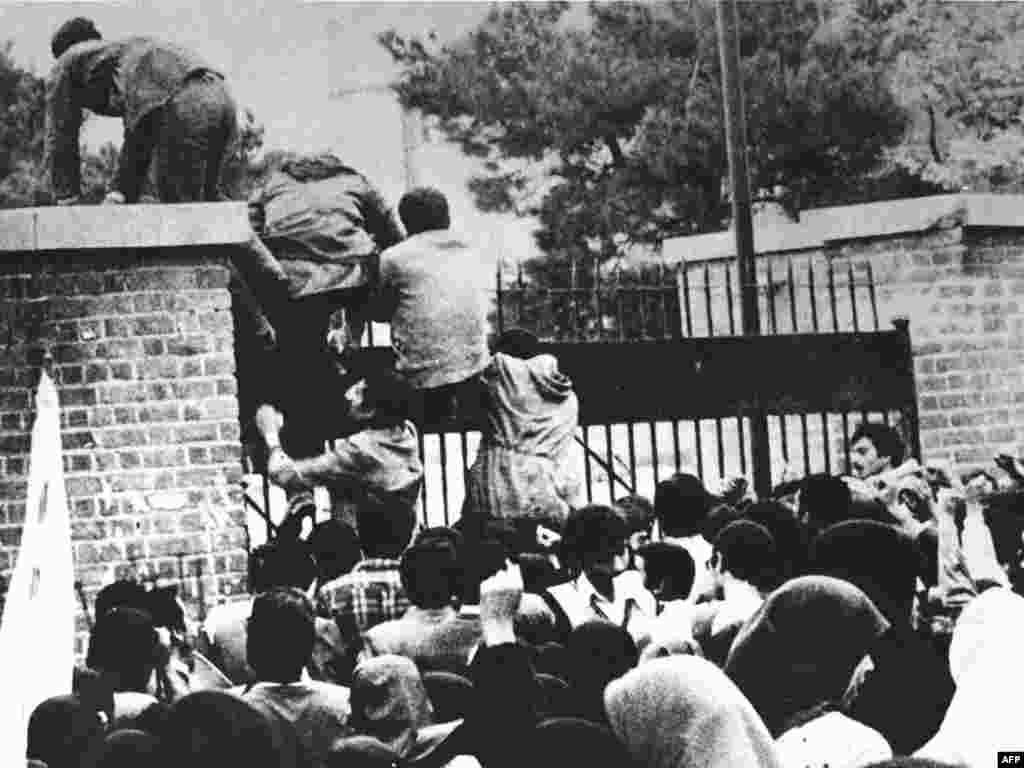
(871, 294)
(770, 294)
(588, 479)
(686, 301)
(792, 294)
(832, 294)
(813, 293)
(853, 293)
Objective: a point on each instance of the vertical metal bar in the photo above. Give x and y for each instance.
(792, 294)
(421, 440)
(825, 442)
(631, 442)
(783, 437)
(698, 444)
(686, 300)
(521, 296)
(464, 450)
(676, 452)
(598, 317)
(871, 293)
(721, 447)
(654, 450)
(813, 291)
(806, 440)
(501, 299)
(740, 432)
(832, 294)
(853, 293)
(707, 299)
(846, 441)
(444, 477)
(669, 330)
(769, 294)
(610, 456)
(729, 299)
(587, 474)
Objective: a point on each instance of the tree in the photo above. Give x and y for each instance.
(610, 131)
(959, 68)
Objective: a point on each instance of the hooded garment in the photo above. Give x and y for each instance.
(799, 651)
(910, 688)
(597, 652)
(390, 703)
(525, 467)
(683, 712)
(985, 662)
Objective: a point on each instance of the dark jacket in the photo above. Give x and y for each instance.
(127, 78)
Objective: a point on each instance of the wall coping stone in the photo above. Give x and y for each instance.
(819, 226)
(100, 227)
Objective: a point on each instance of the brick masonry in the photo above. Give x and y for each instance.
(953, 265)
(142, 349)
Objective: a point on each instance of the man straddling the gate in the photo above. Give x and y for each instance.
(172, 102)
(375, 473)
(434, 290)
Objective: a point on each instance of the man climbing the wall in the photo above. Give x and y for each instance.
(179, 116)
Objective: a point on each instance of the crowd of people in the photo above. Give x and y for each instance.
(845, 622)
(842, 622)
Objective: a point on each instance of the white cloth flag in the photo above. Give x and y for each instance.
(37, 632)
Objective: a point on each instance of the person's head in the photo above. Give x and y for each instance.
(335, 549)
(165, 607)
(281, 564)
(517, 342)
(206, 728)
(478, 561)
(594, 541)
(980, 482)
(745, 551)
(124, 648)
(390, 702)
(681, 504)
(638, 512)
(61, 730)
(535, 621)
(875, 448)
(72, 32)
(669, 570)
(281, 635)
(789, 535)
(379, 400)
(123, 593)
(430, 573)
(598, 652)
(719, 516)
(538, 572)
(386, 525)
(823, 501)
(423, 209)
(879, 559)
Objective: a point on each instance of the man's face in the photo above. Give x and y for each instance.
(355, 398)
(865, 461)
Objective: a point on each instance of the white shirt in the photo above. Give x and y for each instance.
(633, 606)
(832, 741)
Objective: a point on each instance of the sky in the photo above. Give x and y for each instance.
(283, 58)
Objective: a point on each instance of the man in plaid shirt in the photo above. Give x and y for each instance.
(371, 593)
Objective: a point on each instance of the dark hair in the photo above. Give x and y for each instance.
(335, 549)
(281, 564)
(538, 572)
(423, 209)
(430, 574)
(386, 524)
(717, 518)
(124, 643)
(669, 570)
(518, 342)
(886, 439)
(72, 32)
(681, 504)
(281, 634)
(440, 533)
(824, 500)
(126, 593)
(748, 552)
(479, 561)
(61, 730)
(637, 511)
(162, 604)
(789, 534)
(389, 395)
(592, 534)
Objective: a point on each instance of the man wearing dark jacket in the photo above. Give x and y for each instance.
(174, 105)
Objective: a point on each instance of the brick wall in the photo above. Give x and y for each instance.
(953, 265)
(141, 341)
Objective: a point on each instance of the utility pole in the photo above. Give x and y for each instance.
(410, 128)
(727, 23)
